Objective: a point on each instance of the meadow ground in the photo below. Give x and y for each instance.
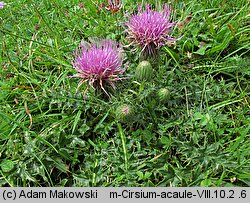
(52, 136)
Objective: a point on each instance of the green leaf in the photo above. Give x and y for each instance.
(201, 51)
(239, 140)
(165, 140)
(77, 118)
(65, 154)
(140, 174)
(101, 121)
(58, 163)
(205, 183)
(198, 116)
(7, 165)
(204, 121)
(147, 175)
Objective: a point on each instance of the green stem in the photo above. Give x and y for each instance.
(123, 146)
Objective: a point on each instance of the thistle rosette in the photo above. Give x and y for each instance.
(149, 29)
(99, 64)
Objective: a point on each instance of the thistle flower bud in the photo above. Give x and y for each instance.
(124, 113)
(163, 95)
(144, 71)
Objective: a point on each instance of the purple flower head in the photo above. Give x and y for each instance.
(2, 4)
(149, 29)
(99, 64)
(114, 5)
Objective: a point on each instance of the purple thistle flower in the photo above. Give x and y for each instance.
(114, 5)
(2, 4)
(99, 64)
(150, 29)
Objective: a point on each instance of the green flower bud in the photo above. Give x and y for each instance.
(124, 113)
(144, 71)
(163, 95)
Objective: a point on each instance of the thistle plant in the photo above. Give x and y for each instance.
(99, 64)
(149, 29)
